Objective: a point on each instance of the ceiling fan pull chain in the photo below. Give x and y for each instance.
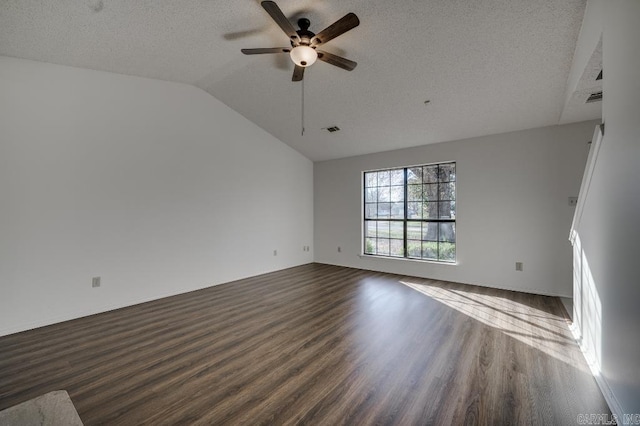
(302, 113)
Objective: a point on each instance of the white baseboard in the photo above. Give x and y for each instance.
(81, 313)
(609, 396)
(376, 268)
(567, 302)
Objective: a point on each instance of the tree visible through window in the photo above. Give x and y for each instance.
(410, 212)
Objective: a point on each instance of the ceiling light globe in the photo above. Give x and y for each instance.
(303, 56)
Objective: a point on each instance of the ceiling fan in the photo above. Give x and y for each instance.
(304, 44)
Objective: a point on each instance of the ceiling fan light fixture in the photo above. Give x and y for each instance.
(303, 56)
(304, 42)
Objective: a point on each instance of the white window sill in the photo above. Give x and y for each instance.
(404, 259)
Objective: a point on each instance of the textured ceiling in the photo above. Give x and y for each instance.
(487, 66)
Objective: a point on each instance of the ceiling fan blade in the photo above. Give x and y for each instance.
(276, 14)
(341, 26)
(298, 73)
(336, 60)
(266, 50)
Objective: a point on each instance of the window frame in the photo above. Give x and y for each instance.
(406, 219)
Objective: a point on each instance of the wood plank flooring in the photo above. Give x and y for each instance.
(315, 344)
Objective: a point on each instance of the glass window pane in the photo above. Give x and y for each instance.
(397, 193)
(383, 178)
(429, 250)
(382, 247)
(414, 210)
(383, 229)
(447, 232)
(371, 194)
(397, 248)
(414, 175)
(447, 252)
(447, 209)
(414, 249)
(370, 229)
(414, 230)
(371, 211)
(383, 193)
(430, 174)
(397, 210)
(430, 210)
(370, 246)
(430, 192)
(448, 191)
(396, 230)
(384, 210)
(430, 231)
(414, 192)
(370, 179)
(447, 172)
(407, 200)
(397, 177)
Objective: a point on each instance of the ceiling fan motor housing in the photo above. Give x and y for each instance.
(304, 34)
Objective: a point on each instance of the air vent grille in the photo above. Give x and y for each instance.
(594, 97)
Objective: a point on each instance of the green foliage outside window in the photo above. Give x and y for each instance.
(410, 212)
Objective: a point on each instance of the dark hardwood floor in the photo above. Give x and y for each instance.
(315, 344)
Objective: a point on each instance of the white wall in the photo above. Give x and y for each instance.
(156, 187)
(512, 205)
(609, 232)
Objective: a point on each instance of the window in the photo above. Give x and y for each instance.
(411, 212)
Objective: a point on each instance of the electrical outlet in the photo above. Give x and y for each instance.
(573, 201)
(275, 252)
(519, 266)
(95, 282)
(339, 249)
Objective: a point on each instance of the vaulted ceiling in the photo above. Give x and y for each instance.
(485, 66)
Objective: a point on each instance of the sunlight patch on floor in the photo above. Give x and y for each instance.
(539, 329)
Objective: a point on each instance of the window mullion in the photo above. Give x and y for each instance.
(438, 211)
(391, 177)
(405, 214)
(364, 213)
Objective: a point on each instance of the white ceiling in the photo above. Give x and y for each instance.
(487, 66)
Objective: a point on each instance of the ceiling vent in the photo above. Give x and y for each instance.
(332, 129)
(594, 97)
